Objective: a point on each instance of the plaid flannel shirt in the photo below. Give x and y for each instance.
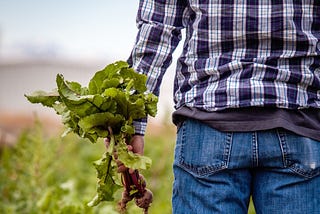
(236, 53)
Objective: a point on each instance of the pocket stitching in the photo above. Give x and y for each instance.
(284, 148)
(205, 170)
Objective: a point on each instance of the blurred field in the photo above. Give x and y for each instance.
(43, 173)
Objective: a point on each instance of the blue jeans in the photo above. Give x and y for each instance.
(217, 172)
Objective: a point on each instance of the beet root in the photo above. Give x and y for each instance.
(135, 187)
(126, 197)
(145, 201)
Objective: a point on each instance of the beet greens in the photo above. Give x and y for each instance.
(115, 97)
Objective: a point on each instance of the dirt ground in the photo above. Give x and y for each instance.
(13, 123)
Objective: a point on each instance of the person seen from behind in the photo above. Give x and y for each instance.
(247, 101)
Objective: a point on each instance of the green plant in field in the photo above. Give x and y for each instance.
(32, 177)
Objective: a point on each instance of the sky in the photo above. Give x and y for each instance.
(70, 29)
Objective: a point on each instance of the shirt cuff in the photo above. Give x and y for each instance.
(140, 126)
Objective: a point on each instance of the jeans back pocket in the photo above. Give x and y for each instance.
(300, 154)
(202, 150)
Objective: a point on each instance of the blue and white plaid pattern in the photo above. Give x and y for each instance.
(237, 53)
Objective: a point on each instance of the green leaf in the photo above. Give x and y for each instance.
(117, 96)
(138, 80)
(151, 101)
(106, 184)
(131, 160)
(69, 119)
(111, 92)
(45, 98)
(68, 92)
(76, 87)
(136, 109)
(98, 123)
(96, 85)
(128, 129)
(80, 105)
(111, 83)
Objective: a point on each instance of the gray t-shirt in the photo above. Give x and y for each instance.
(305, 122)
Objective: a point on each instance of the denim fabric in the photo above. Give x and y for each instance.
(217, 172)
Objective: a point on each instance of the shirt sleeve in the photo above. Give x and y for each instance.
(159, 25)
